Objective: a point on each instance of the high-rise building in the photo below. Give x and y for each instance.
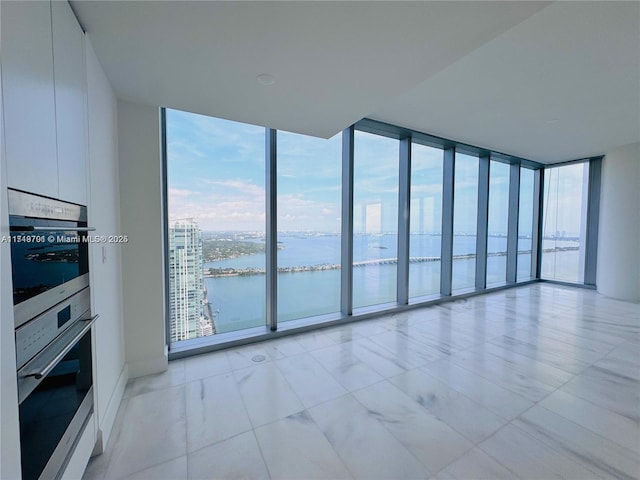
(186, 282)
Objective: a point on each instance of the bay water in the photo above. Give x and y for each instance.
(239, 301)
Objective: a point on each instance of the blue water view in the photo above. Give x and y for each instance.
(40, 266)
(238, 302)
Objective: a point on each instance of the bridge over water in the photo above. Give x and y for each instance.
(232, 272)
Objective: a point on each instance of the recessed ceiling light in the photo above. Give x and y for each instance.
(552, 121)
(266, 79)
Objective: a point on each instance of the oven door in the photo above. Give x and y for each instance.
(49, 252)
(55, 391)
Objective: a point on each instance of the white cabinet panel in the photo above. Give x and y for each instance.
(70, 95)
(28, 97)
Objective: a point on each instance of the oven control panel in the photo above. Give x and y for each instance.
(33, 336)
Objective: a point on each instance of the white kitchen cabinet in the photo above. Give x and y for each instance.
(70, 96)
(28, 97)
(44, 97)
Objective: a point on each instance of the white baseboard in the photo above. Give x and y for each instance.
(148, 367)
(106, 423)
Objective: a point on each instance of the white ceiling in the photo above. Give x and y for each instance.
(563, 84)
(487, 73)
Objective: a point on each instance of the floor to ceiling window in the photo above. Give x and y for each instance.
(309, 198)
(425, 223)
(216, 213)
(465, 212)
(564, 222)
(216, 231)
(498, 220)
(525, 224)
(375, 219)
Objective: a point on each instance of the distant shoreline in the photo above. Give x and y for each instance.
(212, 272)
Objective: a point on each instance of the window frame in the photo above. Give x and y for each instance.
(406, 137)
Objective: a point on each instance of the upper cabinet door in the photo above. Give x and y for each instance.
(70, 95)
(28, 97)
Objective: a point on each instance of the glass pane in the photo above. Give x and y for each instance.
(498, 221)
(375, 219)
(525, 224)
(216, 208)
(426, 220)
(465, 213)
(564, 224)
(309, 199)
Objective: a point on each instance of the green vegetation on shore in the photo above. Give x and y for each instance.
(221, 249)
(214, 249)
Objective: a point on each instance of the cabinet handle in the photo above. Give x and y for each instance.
(31, 228)
(46, 369)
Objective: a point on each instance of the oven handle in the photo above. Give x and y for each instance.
(46, 369)
(31, 228)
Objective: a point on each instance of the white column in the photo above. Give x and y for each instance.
(141, 213)
(619, 230)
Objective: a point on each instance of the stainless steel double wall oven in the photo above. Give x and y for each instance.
(52, 312)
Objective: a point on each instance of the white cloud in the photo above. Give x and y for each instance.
(247, 188)
(178, 192)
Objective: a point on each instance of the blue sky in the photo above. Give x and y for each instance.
(215, 172)
(216, 175)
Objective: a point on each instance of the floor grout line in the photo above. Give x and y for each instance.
(499, 316)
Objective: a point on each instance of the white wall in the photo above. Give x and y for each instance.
(619, 228)
(141, 219)
(9, 431)
(105, 259)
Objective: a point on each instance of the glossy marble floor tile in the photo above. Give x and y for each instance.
(238, 458)
(624, 360)
(499, 400)
(98, 465)
(318, 339)
(475, 464)
(581, 352)
(243, 357)
(427, 437)
(378, 358)
(547, 330)
(503, 373)
(606, 423)
(309, 379)
(294, 447)
(175, 375)
(207, 365)
(216, 411)
(366, 447)
(352, 331)
(603, 457)
(564, 360)
(153, 431)
(530, 458)
(342, 362)
(176, 468)
(408, 353)
(611, 390)
(447, 337)
(540, 382)
(572, 325)
(467, 417)
(540, 371)
(266, 394)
